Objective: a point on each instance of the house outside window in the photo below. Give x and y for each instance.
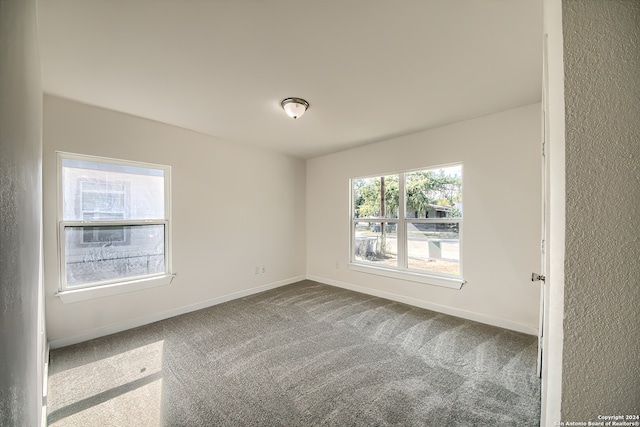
(102, 201)
(409, 225)
(114, 222)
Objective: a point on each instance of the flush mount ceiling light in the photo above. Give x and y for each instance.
(294, 107)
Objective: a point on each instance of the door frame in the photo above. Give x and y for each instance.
(551, 390)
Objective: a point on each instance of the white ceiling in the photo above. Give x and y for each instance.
(371, 69)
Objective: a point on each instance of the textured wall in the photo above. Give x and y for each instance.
(20, 213)
(602, 291)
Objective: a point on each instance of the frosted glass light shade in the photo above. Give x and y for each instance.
(294, 107)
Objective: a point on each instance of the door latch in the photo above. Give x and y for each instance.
(537, 277)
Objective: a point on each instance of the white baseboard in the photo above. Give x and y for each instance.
(465, 314)
(134, 323)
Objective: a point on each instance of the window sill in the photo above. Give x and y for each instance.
(446, 282)
(75, 295)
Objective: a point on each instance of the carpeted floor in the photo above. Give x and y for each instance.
(301, 355)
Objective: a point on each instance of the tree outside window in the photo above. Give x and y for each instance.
(409, 221)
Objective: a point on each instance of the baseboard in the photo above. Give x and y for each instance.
(465, 314)
(134, 323)
(141, 321)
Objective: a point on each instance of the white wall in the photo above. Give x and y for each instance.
(234, 208)
(601, 366)
(502, 215)
(21, 342)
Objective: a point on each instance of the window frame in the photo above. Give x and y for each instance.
(103, 288)
(402, 270)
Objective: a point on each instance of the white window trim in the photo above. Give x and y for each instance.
(409, 275)
(109, 289)
(402, 272)
(113, 287)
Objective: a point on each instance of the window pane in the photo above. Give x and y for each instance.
(95, 254)
(103, 234)
(434, 247)
(106, 191)
(375, 245)
(376, 197)
(434, 193)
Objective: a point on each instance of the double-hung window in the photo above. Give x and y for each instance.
(113, 224)
(408, 225)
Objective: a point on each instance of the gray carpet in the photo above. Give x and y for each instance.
(301, 355)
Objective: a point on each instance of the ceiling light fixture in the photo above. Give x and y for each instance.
(294, 107)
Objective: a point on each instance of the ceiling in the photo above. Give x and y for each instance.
(371, 69)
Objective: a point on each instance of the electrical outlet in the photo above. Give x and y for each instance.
(264, 269)
(257, 270)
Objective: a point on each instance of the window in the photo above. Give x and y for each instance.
(113, 222)
(102, 201)
(408, 225)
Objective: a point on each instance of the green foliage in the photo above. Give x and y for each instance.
(424, 189)
(368, 196)
(428, 188)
